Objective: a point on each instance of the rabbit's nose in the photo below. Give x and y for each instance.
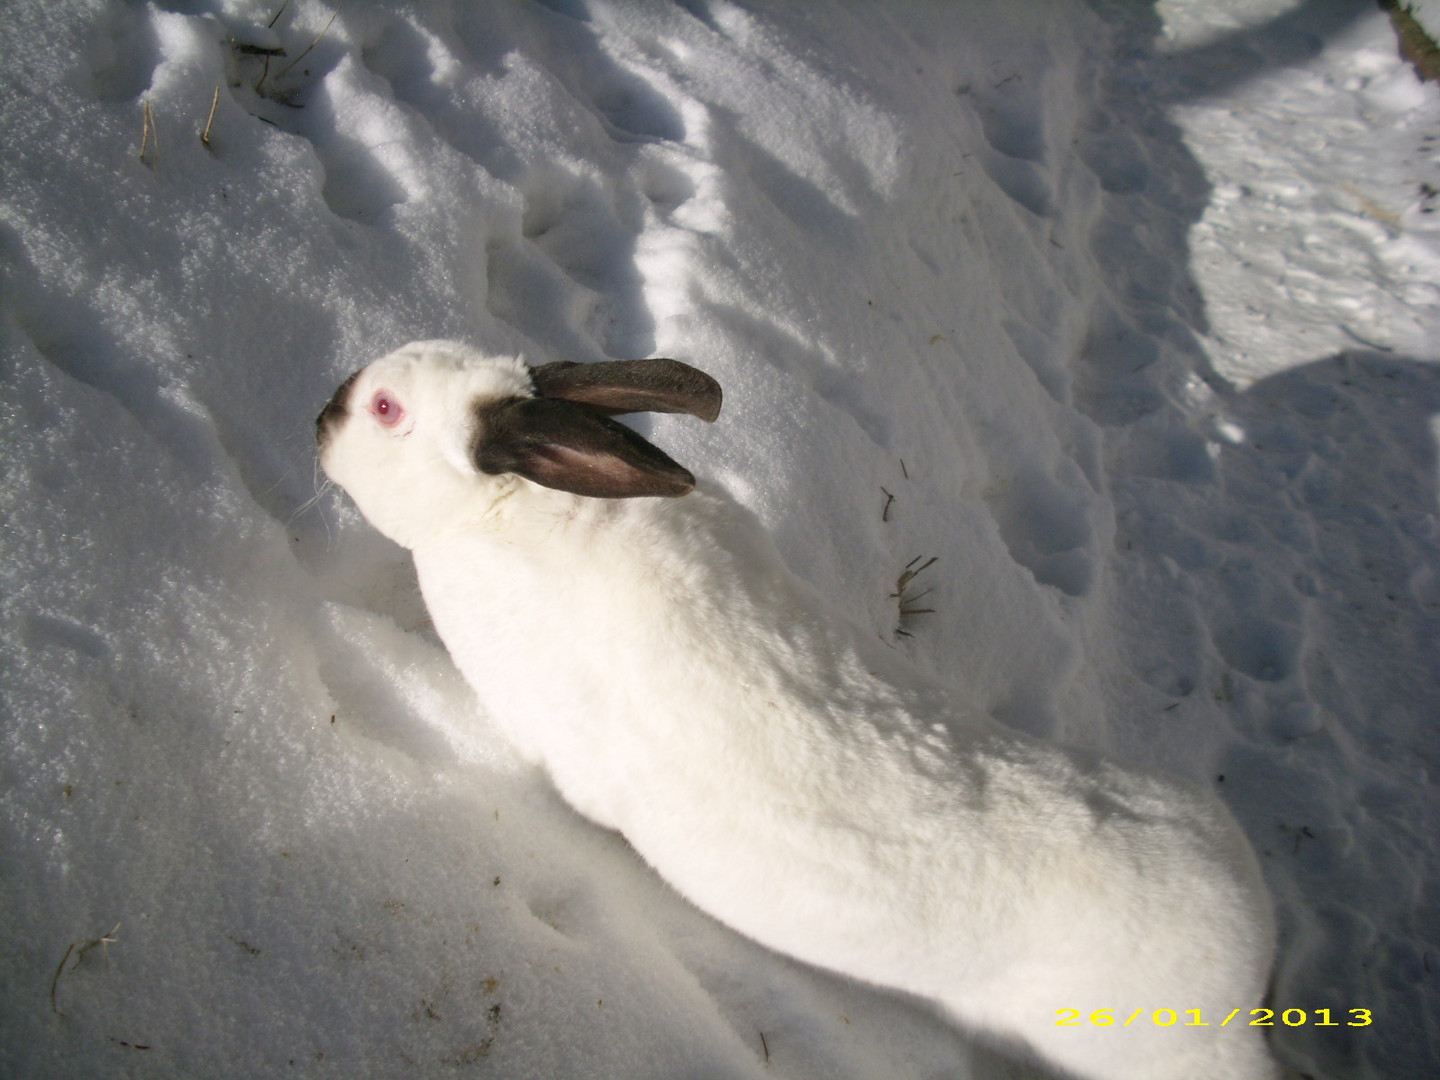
(336, 409)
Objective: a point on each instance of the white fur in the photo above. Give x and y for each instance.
(797, 779)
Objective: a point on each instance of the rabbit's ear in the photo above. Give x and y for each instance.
(623, 386)
(567, 446)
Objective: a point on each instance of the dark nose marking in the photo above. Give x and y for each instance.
(335, 410)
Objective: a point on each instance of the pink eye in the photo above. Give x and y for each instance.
(386, 409)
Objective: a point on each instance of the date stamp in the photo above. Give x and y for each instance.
(1251, 1017)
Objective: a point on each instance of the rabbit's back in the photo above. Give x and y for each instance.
(797, 779)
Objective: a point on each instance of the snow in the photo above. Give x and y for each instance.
(1131, 308)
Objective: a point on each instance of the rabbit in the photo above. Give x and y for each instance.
(639, 637)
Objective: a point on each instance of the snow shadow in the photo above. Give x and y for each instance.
(1331, 466)
(1290, 38)
(1140, 157)
(68, 334)
(1331, 482)
(1282, 541)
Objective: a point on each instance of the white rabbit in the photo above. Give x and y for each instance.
(784, 770)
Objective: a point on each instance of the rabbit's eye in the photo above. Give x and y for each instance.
(386, 409)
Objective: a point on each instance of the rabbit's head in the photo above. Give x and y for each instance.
(431, 435)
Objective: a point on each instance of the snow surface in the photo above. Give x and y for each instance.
(1127, 312)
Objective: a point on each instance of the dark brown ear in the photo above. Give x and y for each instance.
(611, 387)
(567, 446)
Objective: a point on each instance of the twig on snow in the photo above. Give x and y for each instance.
(210, 121)
(77, 949)
(906, 600)
(149, 135)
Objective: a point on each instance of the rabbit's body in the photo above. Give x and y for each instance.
(794, 778)
(798, 780)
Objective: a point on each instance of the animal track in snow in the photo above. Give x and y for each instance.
(562, 265)
(408, 59)
(1011, 117)
(668, 187)
(808, 362)
(1261, 648)
(633, 109)
(805, 204)
(629, 106)
(41, 630)
(1112, 383)
(576, 257)
(1117, 161)
(1042, 356)
(307, 94)
(1044, 524)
